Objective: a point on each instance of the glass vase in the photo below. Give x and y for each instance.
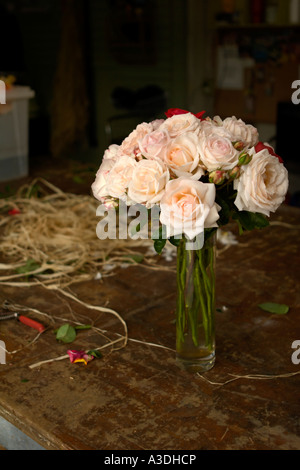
(195, 307)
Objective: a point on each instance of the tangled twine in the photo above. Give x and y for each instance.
(56, 232)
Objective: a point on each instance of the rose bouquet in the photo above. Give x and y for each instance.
(201, 173)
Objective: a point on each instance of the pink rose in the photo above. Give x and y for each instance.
(154, 143)
(130, 145)
(188, 207)
(216, 149)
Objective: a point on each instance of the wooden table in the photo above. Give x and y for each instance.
(137, 398)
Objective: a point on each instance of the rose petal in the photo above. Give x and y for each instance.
(260, 146)
(76, 355)
(14, 212)
(176, 111)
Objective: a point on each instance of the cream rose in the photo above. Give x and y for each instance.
(156, 123)
(188, 207)
(263, 184)
(113, 151)
(130, 145)
(148, 182)
(153, 144)
(119, 176)
(99, 187)
(240, 131)
(181, 123)
(182, 156)
(216, 149)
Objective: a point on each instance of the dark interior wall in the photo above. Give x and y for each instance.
(114, 64)
(162, 62)
(38, 26)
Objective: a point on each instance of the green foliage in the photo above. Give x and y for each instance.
(250, 220)
(159, 245)
(94, 352)
(271, 307)
(31, 265)
(67, 333)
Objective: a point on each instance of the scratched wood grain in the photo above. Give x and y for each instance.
(137, 398)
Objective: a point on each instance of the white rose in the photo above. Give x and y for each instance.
(119, 176)
(216, 149)
(99, 187)
(263, 184)
(148, 182)
(208, 125)
(182, 156)
(156, 123)
(111, 152)
(188, 207)
(181, 123)
(240, 131)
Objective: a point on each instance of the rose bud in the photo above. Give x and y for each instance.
(217, 177)
(239, 145)
(234, 173)
(110, 203)
(244, 158)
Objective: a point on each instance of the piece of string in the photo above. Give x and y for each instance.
(66, 356)
(122, 338)
(250, 377)
(125, 340)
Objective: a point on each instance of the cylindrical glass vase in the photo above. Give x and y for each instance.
(195, 307)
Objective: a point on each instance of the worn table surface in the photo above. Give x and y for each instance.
(136, 397)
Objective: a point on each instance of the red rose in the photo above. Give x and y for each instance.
(260, 146)
(175, 111)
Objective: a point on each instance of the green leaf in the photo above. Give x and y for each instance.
(159, 245)
(66, 333)
(95, 353)
(175, 241)
(271, 307)
(31, 265)
(250, 220)
(225, 211)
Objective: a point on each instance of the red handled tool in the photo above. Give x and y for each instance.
(25, 320)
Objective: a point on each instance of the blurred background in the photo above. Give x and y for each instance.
(81, 74)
